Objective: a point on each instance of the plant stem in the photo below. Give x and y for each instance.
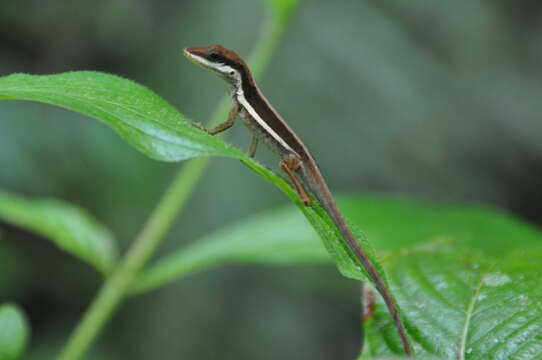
(115, 288)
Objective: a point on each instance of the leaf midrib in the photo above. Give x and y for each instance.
(468, 317)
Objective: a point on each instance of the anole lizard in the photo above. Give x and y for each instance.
(296, 161)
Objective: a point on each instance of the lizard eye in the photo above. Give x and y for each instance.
(214, 56)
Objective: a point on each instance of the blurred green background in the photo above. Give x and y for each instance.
(430, 100)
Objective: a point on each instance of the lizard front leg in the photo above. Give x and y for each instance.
(225, 125)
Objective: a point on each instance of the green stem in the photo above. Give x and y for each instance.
(115, 288)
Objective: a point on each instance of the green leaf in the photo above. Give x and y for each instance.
(68, 226)
(14, 332)
(394, 223)
(141, 117)
(248, 241)
(460, 305)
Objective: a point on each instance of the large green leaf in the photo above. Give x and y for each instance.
(68, 226)
(393, 223)
(14, 332)
(141, 117)
(248, 241)
(155, 128)
(459, 305)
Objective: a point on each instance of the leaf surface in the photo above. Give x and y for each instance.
(248, 241)
(459, 305)
(394, 223)
(138, 115)
(69, 227)
(14, 332)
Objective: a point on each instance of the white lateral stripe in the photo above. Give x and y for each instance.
(260, 121)
(200, 59)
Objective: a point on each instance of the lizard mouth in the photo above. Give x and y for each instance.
(197, 56)
(195, 51)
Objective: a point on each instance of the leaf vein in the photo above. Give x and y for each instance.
(468, 315)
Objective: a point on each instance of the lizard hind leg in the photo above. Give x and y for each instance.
(290, 165)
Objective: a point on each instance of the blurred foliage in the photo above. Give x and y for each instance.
(69, 227)
(391, 224)
(14, 332)
(430, 100)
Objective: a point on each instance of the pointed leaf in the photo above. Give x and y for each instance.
(140, 116)
(459, 305)
(14, 332)
(248, 241)
(68, 226)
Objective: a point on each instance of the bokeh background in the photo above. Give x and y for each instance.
(439, 101)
